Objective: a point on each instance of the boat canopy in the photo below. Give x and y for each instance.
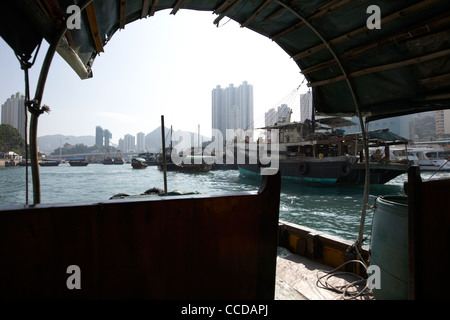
(382, 136)
(335, 122)
(375, 59)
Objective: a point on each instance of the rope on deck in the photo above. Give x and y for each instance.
(350, 291)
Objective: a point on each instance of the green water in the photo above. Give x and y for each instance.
(330, 209)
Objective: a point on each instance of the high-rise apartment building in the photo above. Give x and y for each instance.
(107, 135)
(122, 145)
(129, 143)
(283, 114)
(447, 121)
(270, 117)
(140, 142)
(13, 112)
(99, 136)
(102, 137)
(306, 106)
(232, 107)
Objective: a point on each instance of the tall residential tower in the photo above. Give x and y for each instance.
(232, 107)
(13, 112)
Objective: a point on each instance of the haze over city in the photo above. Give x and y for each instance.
(163, 65)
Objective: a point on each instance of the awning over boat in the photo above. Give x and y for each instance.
(397, 64)
(335, 122)
(383, 136)
(387, 136)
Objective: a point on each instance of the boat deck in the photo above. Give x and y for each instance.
(296, 279)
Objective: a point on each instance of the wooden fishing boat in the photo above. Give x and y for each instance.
(78, 162)
(49, 163)
(325, 157)
(138, 163)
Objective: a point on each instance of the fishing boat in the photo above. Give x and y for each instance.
(194, 163)
(108, 159)
(190, 160)
(427, 158)
(24, 163)
(78, 162)
(138, 163)
(320, 153)
(49, 163)
(118, 159)
(150, 158)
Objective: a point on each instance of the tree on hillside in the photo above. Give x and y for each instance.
(80, 148)
(11, 140)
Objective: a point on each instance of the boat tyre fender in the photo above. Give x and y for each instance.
(260, 165)
(345, 169)
(303, 168)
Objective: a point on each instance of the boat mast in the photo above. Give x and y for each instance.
(163, 138)
(313, 116)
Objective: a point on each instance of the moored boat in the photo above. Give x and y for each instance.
(108, 159)
(78, 162)
(138, 163)
(118, 158)
(24, 163)
(49, 162)
(188, 164)
(427, 158)
(194, 166)
(309, 155)
(150, 158)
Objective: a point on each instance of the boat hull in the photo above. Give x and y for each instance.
(108, 162)
(118, 161)
(329, 171)
(49, 163)
(78, 163)
(138, 163)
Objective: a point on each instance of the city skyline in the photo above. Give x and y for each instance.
(171, 74)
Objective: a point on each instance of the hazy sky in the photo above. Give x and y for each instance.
(163, 65)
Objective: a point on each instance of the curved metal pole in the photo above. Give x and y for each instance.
(35, 106)
(358, 110)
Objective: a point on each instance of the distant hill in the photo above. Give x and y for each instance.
(48, 144)
(153, 140)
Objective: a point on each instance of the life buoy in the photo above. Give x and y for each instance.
(303, 168)
(345, 169)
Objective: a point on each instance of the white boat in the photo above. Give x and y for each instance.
(428, 159)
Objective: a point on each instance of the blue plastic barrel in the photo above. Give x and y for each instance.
(389, 247)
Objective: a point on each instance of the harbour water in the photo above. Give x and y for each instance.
(330, 209)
